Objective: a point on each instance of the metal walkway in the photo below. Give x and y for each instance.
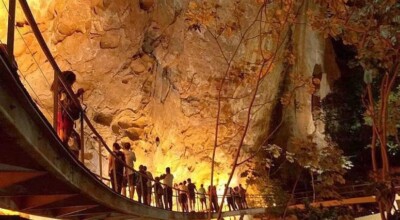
(38, 175)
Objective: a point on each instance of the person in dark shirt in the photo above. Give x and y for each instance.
(116, 168)
(158, 192)
(192, 195)
(141, 187)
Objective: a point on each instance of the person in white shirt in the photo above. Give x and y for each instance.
(202, 196)
(129, 177)
(168, 179)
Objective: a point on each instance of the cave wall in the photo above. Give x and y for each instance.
(146, 76)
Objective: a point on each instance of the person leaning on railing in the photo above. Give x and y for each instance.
(149, 184)
(158, 192)
(191, 194)
(129, 177)
(202, 197)
(116, 168)
(67, 111)
(168, 179)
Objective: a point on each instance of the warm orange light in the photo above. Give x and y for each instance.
(39, 9)
(33, 217)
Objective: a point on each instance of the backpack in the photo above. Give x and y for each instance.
(72, 111)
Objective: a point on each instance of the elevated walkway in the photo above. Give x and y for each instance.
(38, 175)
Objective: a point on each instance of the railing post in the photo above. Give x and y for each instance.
(82, 140)
(10, 33)
(55, 101)
(100, 161)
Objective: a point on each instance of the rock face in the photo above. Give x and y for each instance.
(146, 76)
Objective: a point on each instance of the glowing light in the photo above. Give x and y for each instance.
(39, 9)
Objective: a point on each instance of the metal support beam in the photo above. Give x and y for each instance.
(8, 178)
(10, 33)
(32, 202)
(63, 212)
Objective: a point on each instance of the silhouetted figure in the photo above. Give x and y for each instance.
(183, 198)
(242, 193)
(191, 194)
(67, 111)
(142, 186)
(236, 198)
(202, 197)
(229, 198)
(158, 192)
(116, 168)
(168, 179)
(148, 185)
(129, 178)
(212, 192)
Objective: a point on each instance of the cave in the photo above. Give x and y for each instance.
(191, 84)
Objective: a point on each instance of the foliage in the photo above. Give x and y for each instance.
(373, 29)
(343, 112)
(327, 163)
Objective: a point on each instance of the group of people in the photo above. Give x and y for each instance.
(123, 177)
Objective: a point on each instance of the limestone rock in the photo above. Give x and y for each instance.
(133, 134)
(146, 4)
(110, 40)
(138, 66)
(74, 17)
(103, 119)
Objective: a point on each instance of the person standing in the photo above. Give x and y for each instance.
(158, 193)
(183, 191)
(168, 179)
(229, 198)
(192, 194)
(67, 111)
(149, 184)
(141, 187)
(242, 193)
(129, 180)
(202, 197)
(214, 198)
(236, 197)
(116, 164)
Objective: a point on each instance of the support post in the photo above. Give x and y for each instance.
(100, 161)
(10, 33)
(82, 140)
(55, 101)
